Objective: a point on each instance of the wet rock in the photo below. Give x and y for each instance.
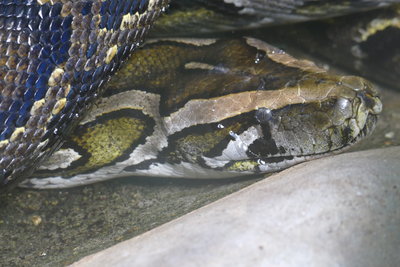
(340, 210)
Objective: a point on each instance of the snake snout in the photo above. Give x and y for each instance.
(370, 98)
(365, 91)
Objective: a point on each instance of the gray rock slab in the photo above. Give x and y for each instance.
(337, 211)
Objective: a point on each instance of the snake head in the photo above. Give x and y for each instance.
(315, 117)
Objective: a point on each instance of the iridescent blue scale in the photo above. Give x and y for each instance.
(6, 133)
(28, 95)
(41, 87)
(49, 36)
(24, 110)
(55, 24)
(55, 10)
(91, 50)
(3, 117)
(44, 11)
(110, 22)
(112, 6)
(10, 122)
(66, 24)
(143, 5)
(43, 66)
(135, 6)
(15, 106)
(86, 8)
(22, 119)
(30, 82)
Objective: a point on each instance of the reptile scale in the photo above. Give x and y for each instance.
(182, 107)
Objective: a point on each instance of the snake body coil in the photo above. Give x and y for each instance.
(54, 55)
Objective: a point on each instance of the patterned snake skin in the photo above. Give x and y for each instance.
(54, 55)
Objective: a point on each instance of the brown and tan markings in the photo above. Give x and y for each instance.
(245, 108)
(111, 138)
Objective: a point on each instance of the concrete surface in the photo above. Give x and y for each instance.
(337, 211)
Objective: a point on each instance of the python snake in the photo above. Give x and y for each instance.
(267, 114)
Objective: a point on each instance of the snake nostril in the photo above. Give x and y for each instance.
(368, 88)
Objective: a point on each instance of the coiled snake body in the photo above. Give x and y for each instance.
(259, 110)
(54, 56)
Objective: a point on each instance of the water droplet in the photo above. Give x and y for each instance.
(343, 104)
(220, 126)
(263, 115)
(260, 162)
(233, 135)
(259, 56)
